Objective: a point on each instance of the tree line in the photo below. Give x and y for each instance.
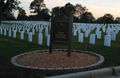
(39, 11)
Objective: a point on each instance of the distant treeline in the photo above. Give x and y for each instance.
(40, 12)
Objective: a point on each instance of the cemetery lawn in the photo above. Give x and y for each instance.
(10, 47)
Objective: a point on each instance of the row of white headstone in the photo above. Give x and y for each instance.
(111, 32)
(22, 29)
(80, 29)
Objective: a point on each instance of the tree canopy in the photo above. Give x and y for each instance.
(86, 17)
(7, 7)
(80, 13)
(107, 18)
(37, 6)
(21, 14)
(117, 20)
(79, 9)
(63, 11)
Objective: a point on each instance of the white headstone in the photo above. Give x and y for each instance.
(107, 40)
(48, 40)
(86, 33)
(79, 30)
(22, 35)
(108, 32)
(80, 37)
(19, 29)
(113, 36)
(46, 33)
(99, 35)
(30, 37)
(92, 38)
(14, 34)
(28, 31)
(13, 28)
(33, 31)
(75, 32)
(36, 28)
(103, 28)
(40, 38)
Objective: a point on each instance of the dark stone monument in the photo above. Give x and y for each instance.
(61, 32)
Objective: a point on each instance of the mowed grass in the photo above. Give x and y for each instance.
(10, 47)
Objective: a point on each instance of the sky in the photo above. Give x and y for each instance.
(97, 7)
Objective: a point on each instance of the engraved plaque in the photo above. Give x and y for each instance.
(60, 31)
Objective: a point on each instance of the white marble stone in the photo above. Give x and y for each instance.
(46, 33)
(99, 35)
(22, 35)
(14, 34)
(87, 33)
(40, 38)
(107, 40)
(48, 40)
(92, 38)
(113, 36)
(80, 37)
(30, 37)
(33, 31)
(28, 31)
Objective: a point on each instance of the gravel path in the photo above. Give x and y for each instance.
(58, 59)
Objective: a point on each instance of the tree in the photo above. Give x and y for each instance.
(70, 9)
(36, 6)
(7, 7)
(21, 14)
(63, 11)
(56, 11)
(44, 14)
(117, 20)
(3, 7)
(87, 17)
(79, 9)
(108, 18)
(100, 20)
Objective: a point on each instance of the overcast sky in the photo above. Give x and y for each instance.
(97, 7)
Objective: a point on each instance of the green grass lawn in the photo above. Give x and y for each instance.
(10, 47)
